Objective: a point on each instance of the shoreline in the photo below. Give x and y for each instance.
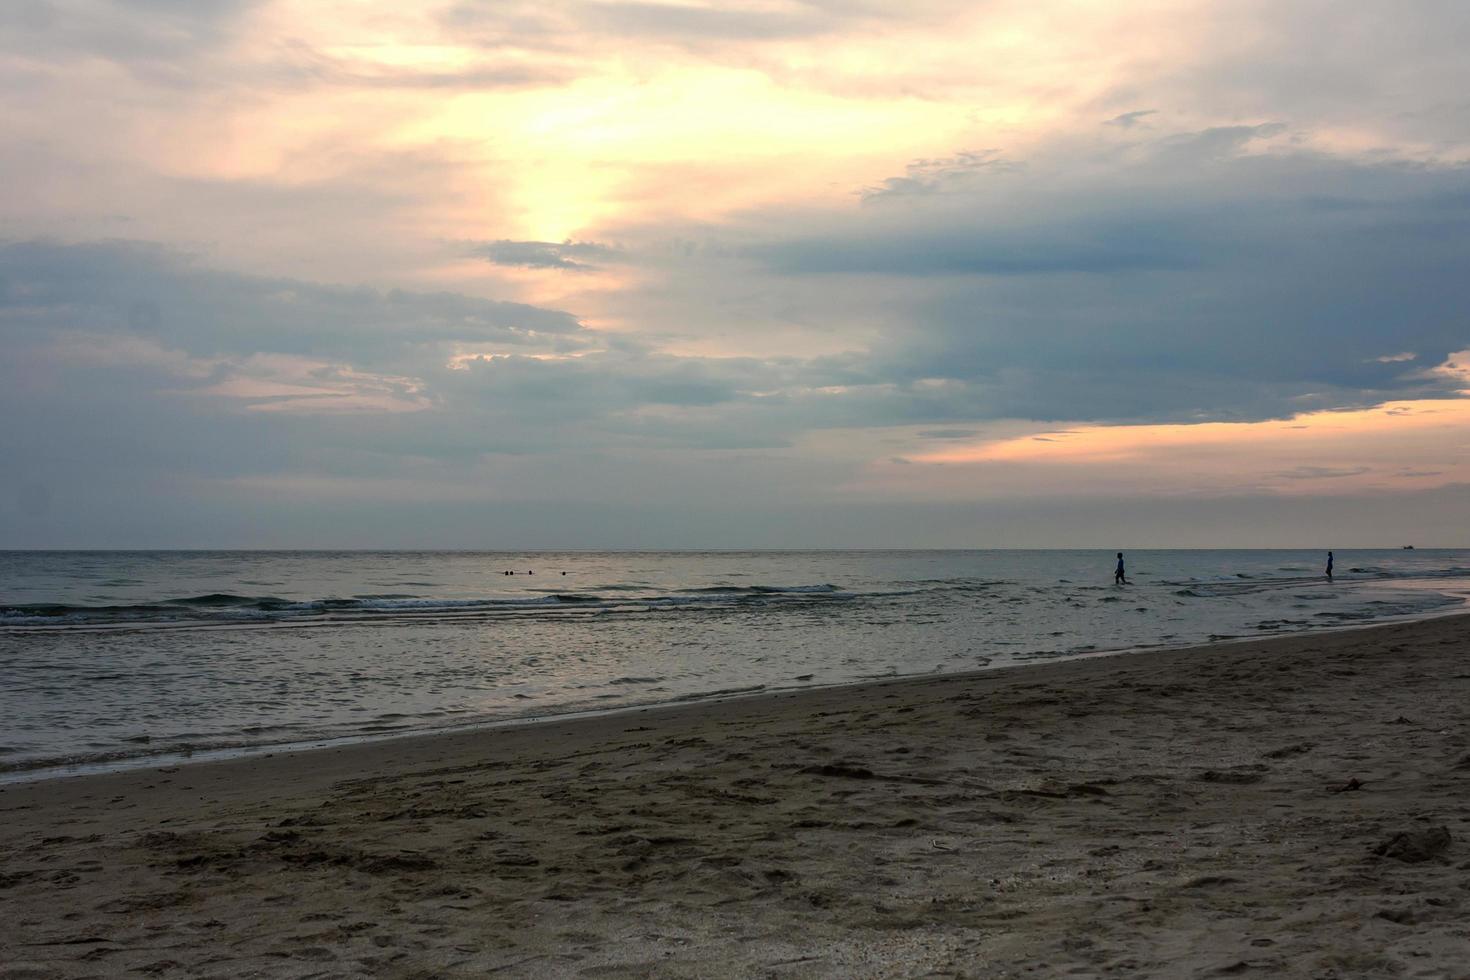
(128, 763)
(1165, 813)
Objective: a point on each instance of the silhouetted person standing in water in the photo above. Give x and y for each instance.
(1119, 578)
(1329, 566)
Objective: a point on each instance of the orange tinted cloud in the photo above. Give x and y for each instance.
(1403, 445)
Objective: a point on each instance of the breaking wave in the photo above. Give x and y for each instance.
(225, 607)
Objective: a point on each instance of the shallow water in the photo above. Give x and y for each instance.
(110, 655)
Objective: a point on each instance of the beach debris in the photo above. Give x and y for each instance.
(1415, 845)
(1350, 786)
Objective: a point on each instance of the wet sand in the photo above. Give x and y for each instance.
(1207, 812)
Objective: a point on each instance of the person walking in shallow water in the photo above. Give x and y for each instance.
(1119, 577)
(1329, 566)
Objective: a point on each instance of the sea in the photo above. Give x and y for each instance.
(111, 659)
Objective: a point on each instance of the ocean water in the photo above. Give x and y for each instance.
(115, 656)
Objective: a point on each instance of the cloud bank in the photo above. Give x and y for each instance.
(276, 269)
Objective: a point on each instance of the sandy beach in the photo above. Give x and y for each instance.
(1291, 807)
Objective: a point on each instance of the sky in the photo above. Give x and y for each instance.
(750, 274)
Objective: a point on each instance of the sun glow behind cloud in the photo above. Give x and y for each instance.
(604, 149)
(578, 119)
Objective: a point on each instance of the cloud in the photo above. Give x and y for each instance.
(577, 256)
(304, 67)
(156, 40)
(722, 22)
(1322, 472)
(947, 433)
(144, 330)
(815, 272)
(1380, 83)
(1099, 246)
(1128, 120)
(1217, 142)
(693, 24)
(1321, 453)
(938, 175)
(146, 290)
(1185, 277)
